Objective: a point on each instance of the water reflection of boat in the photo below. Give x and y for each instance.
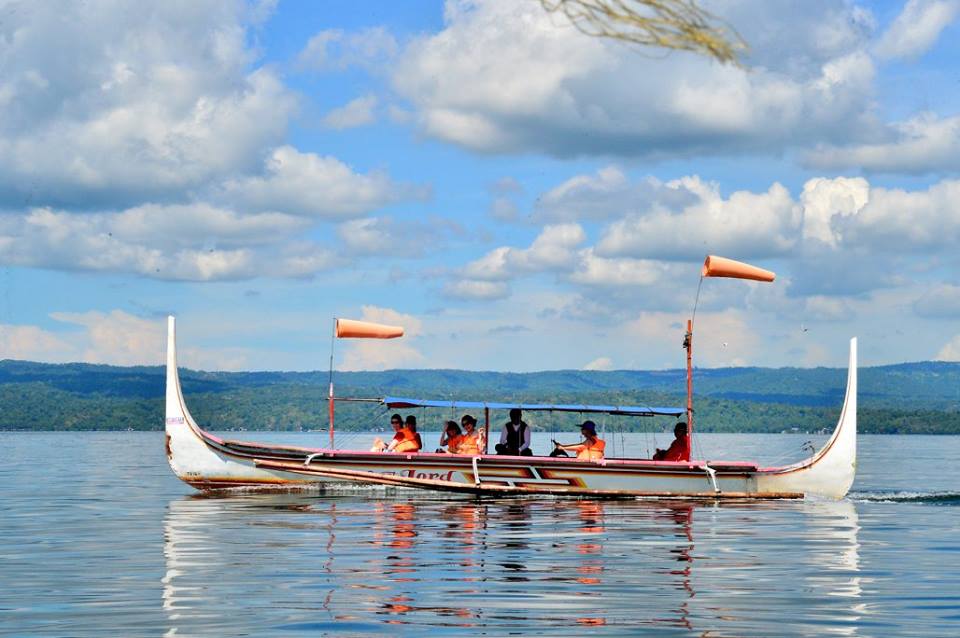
(321, 562)
(206, 461)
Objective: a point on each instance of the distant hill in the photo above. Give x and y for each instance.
(909, 397)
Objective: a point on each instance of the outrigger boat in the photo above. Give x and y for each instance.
(209, 462)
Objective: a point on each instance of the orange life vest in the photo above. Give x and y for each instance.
(591, 451)
(453, 443)
(469, 444)
(409, 443)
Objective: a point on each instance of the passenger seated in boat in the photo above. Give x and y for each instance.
(396, 422)
(450, 437)
(679, 450)
(472, 441)
(411, 424)
(591, 448)
(515, 436)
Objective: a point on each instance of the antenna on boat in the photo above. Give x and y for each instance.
(714, 266)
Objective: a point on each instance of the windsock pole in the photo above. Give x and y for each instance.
(333, 335)
(688, 344)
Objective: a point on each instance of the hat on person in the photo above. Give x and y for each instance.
(589, 425)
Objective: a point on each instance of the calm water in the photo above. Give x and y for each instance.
(97, 538)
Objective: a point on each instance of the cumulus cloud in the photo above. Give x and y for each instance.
(33, 343)
(824, 199)
(316, 186)
(390, 238)
(337, 50)
(507, 77)
(604, 272)
(136, 105)
(917, 28)
(553, 249)
(940, 302)
(926, 143)
(609, 194)
(827, 238)
(950, 350)
(382, 354)
(358, 112)
(475, 290)
(600, 363)
(176, 242)
(746, 224)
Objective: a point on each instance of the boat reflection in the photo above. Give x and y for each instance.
(501, 565)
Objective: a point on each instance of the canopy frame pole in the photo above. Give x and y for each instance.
(486, 429)
(330, 401)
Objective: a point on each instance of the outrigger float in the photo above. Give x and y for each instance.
(209, 462)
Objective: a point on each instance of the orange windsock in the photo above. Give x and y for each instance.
(366, 330)
(715, 266)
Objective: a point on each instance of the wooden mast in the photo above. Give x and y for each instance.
(688, 344)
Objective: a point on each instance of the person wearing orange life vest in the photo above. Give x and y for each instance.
(472, 441)
(679, 450)
(451, 437)
(396, 422)
(591, 448)
(411, 424)
(406, 439)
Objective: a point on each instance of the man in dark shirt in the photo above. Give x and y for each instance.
(515, 436)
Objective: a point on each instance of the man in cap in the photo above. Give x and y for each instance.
(591, 448)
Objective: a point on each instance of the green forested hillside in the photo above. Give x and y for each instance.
(917, 397)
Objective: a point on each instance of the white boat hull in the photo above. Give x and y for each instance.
(209, 462)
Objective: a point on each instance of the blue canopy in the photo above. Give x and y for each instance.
(625, 410)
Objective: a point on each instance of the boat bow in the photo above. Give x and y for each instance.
(829, 472)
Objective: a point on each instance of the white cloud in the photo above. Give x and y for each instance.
(135, 106)
(474, 290)
(504, 210)
(504, 76)
(113, 338)
(610, 194)
(312, 185)
(34, 344)
(552, 250)
(821, 308)
(926, 143)
(389, 238)
(824, 199)
(600, 271)
(178, 242)
(950, 350)
(117, 337)
(917, 28)
(337, 50)
(600, 363)
(358, 112)
(746, 224)
(940, 302)
(382, 354)
(900, 220)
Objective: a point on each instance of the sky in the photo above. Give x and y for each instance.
(515, 194)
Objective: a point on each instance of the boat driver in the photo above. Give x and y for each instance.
(515, 436)
(592, 446)
(679, 450)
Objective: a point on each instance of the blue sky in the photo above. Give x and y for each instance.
(519, 196)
